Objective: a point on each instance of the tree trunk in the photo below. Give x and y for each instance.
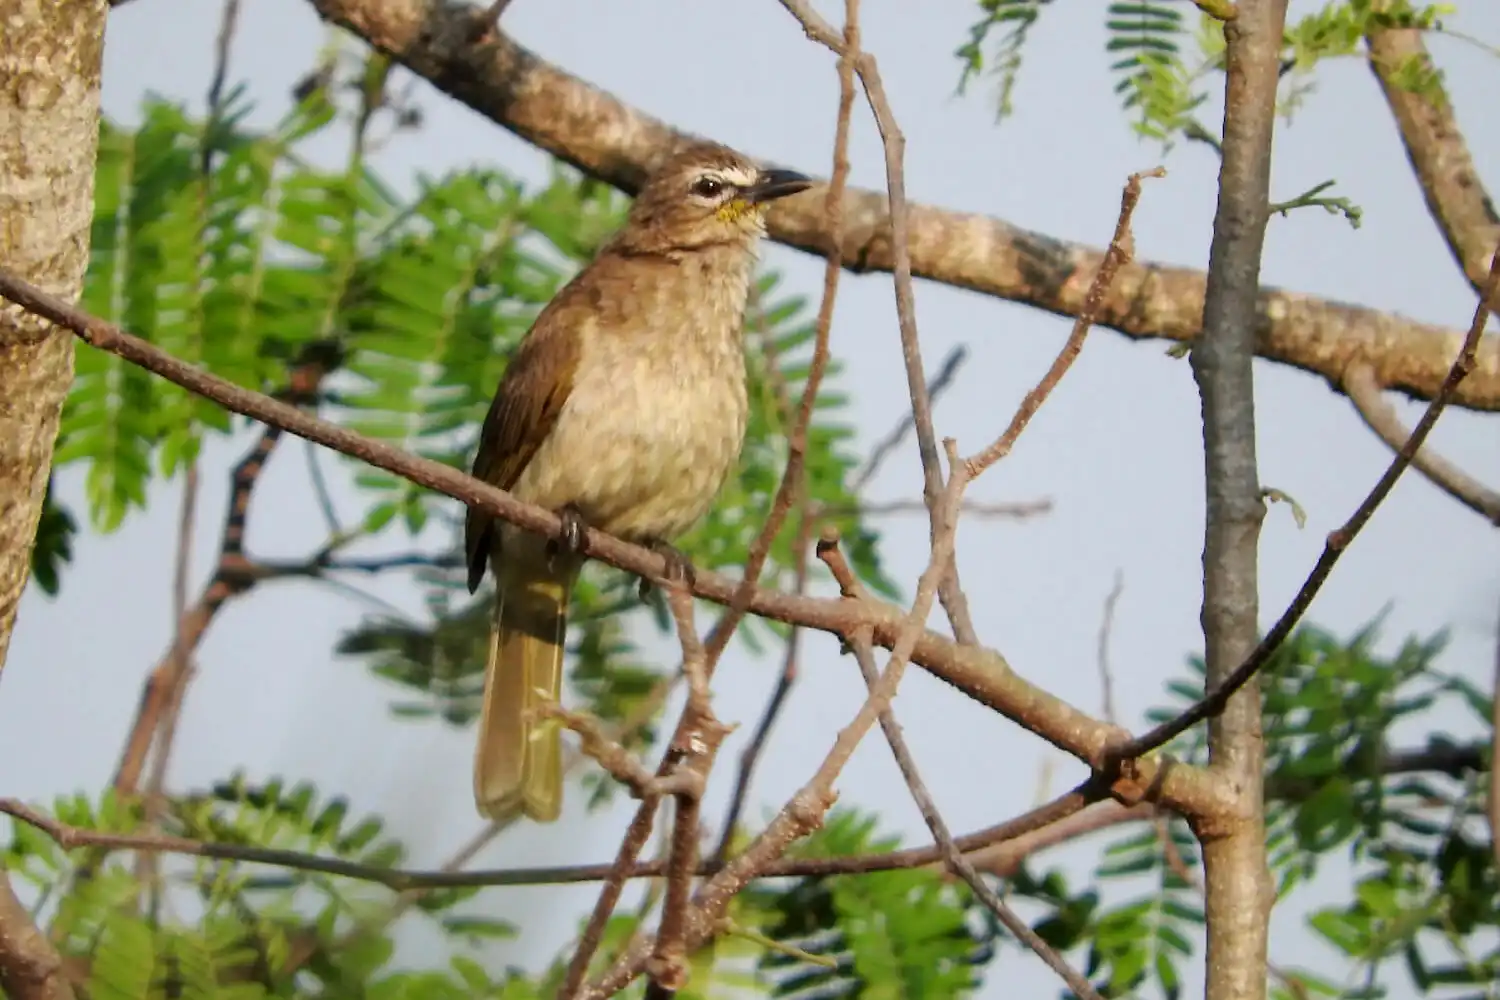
(50, 53)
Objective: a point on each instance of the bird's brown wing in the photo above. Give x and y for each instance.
(525, 409)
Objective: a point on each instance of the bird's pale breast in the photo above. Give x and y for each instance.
(656, 416)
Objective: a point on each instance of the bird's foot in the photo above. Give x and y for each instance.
(679, 568)
(569, 540)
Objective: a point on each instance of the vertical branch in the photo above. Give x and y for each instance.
(702, 735)
(893, 143)
(1237, 885)
(181, 661)
(959, 865)
(1106, 627)
(786, 493)
(750, 757)
(1494, 803)
(30, 968)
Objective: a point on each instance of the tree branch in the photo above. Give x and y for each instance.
(617, 143)
(30, 968)
(50, 60)
(788, 492)
(997, 849)
(979, 672)
(1237, 889)
(1436, 147)
(233, 576)
(1381, 417)
(1338, 540)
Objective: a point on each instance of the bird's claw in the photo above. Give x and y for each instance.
(679, 568)
(569, 540)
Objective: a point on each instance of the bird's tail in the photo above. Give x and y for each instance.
(518, 763)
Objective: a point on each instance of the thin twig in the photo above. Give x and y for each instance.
(784, 681)
(801, 547)
(805, 811)
(71, 837)
(594, 743)
(786, 493)
(181, 667)
(887, 445)
(321, 491)
(893, 144)
(956, 862)
(1494, 804)
(1001, 846)
(1338, 540)
(1381, 417)
(981, 673)
(1121, 250)
(1106, 626)
(702, 736)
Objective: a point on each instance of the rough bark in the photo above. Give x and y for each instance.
(50, 55)
(1439, 154)
(608, 139)
(1237, 880)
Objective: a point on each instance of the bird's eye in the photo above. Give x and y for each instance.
(707, 187)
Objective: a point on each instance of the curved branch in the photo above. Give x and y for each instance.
(1381, 417)
(1435, 145)
(981, 673)
(608, 139)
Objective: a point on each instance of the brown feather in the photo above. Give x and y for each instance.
(525, 408)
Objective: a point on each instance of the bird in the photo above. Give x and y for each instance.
(623, 408)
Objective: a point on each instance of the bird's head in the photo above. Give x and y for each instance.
(705, 195)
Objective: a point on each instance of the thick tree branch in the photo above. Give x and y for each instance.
(51, 53)
(1237, 880)
(30, 968)
(1439, 154)
(610, 140)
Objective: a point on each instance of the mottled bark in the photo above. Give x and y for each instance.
(608, 139)
(1237, 880)
(1439, 154)
(50, 53)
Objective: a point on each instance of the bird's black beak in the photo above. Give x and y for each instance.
(772, 184)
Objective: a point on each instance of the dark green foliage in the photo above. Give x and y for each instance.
(239, 932)
(1153, 85)
(908, 933)
(1014, 18)
(420, 302)
(55, 532)
(1409, 821)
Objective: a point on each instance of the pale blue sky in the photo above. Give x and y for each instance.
(1117, 447)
